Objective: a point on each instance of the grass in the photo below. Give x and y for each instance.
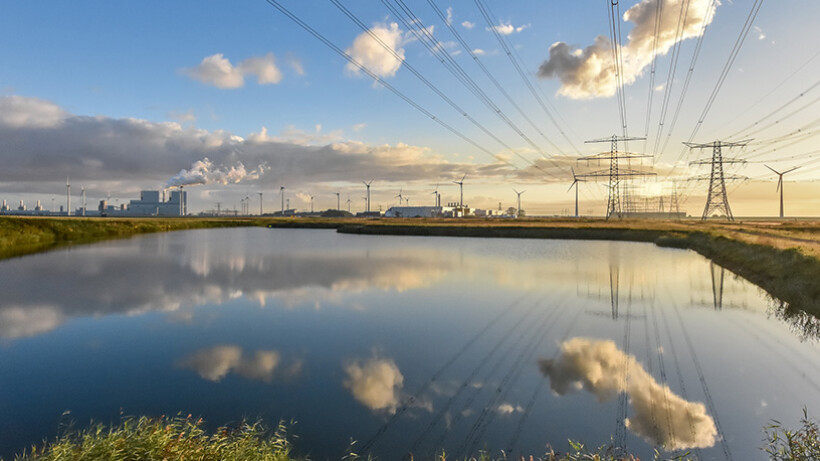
(184, 439)
(180, 439)
(803, 444)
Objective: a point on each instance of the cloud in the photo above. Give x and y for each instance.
(17, 111)
(127, 154)
(449, 15)
(659, 416)
(508, 409)
(760, 34)
(368, 52)
(375, 383)
(479, 51)
(216, 362)
(24, 321)
(467, 24)
(359, 126)
(507, 28)
(205, 172)
(216, 70)
(295, 64)
(588, 73)
(183, 117)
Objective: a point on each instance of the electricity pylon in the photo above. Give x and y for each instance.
(717, 199)
(615, 173)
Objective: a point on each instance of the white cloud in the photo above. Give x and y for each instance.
(216, 362)
(375, 383)
(24, 321)
(17, 111)
(760, 34)
(589, 72)
(295, 64)
(368, 52)
(507, 28)
(205, 172)
(449, 15)
(263, 67)
(217, 70)
(659, 416)
(479, 51)
(467, 24)
(359, 126)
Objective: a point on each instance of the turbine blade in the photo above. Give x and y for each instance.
(775, 171)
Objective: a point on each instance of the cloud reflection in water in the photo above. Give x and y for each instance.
(215, 363)
(375, 383)
(659, 416)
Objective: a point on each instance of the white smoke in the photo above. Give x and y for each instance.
(589, 72)
(376, 383)
(205, 172)
(660, 416)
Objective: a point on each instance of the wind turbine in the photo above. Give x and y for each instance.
(575, 181)
(367, 184)
(407, 201)
(399, 197)
(438, 197)
(260, 203)
(519, 201)
(780, 183)
(348, 204)
(461, 190)
(337, 202)
(311, 202)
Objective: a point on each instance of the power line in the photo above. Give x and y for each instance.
(381, 81)
(490, 20)
(416, 27)
(430, 85)
(658, 13)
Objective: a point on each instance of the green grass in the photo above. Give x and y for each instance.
(158, 439)
(185, 439)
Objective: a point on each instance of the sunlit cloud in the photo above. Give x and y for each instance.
(467, 24)
(375, 383)
(371, 54)
(589, 72)
(659, 416)
(506, 28)
(216, 70)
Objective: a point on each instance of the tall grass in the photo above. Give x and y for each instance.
(784, 444)
(180, 439)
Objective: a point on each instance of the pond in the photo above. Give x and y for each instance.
(403, 344)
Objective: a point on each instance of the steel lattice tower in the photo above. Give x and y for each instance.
(717, 199)
(615, 173)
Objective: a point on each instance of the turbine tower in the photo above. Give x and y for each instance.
(780, 183)
(311, 202)
(82, 188)
(338, 202)
(367, 184)
(67, 197)
(348, 204)
(461, 191)
(575, 181)
(717, 198)
(518, 213)
(260, 203)
(438, 196)
(400, 197)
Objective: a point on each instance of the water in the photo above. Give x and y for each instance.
(401, 343)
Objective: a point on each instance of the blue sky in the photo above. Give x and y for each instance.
(135, 68)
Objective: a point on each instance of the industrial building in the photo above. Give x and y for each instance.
(150, 203)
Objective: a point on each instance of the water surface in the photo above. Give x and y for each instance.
(402, 344)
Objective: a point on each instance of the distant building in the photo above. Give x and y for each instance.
(413, 212)
(149, 204)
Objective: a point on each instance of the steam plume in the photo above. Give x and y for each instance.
(204, 172)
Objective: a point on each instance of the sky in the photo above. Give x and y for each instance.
(235, 98)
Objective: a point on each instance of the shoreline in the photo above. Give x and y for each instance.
(783, 258)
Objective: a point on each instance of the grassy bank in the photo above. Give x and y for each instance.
(23, 235)
(185, 439)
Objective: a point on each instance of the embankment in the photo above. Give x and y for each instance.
(23, 235)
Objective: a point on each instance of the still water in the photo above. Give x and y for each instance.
(403, 344)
